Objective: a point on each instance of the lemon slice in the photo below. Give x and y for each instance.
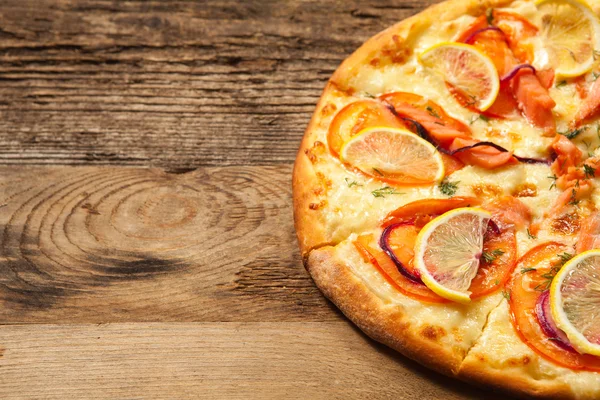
(448, 251)
(468, 70)
(570, 32)
(394, 153)
(575, 301)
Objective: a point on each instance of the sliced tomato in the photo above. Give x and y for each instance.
(422, 211)
(355, 117)
(526, 287)
(402, 243)
(493, 275)
(375, 256)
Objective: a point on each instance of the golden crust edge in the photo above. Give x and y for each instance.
(310, 226)
(344, 290)
(386, 325)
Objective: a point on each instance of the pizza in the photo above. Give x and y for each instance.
(446, 193)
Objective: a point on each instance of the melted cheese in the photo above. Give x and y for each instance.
(502, 349)
(465, 322)
(352, 208)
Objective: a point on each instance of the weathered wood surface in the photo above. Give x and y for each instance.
(174, 84)
(296, 360)
(182, 281)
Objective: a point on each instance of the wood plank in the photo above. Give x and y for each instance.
(173, 84)
(95, 244)
(217, 361)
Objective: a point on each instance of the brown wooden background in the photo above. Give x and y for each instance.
(147, 247)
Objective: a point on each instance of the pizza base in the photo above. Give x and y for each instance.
(482, 360)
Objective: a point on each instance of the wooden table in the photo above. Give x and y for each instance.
(147, 246)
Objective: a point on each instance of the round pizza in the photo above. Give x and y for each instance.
(446, 193)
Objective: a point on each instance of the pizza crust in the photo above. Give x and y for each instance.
(435, 335)
(487, 356)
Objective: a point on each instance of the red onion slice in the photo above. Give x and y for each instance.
(423, 133)
(525, 160)
(471, 37)
(385, 246)
(544, 317)
(515, 70)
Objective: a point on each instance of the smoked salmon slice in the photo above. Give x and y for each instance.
(530, 95)
(590, 107)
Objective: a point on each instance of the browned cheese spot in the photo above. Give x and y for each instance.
(433, 333)
(486, 189)
(328, 110)
(317, 206)
(525, 190)
(317, 150)
(566, 224)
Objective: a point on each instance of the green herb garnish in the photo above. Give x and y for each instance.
(589, 171)
(351, 183)
(492, 255)
(382, 192)
(448, 188)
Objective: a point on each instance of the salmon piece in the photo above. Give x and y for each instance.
(505, 105)
(532, 98)
(510, 211)
(589, 235)
(451, 164)
(546, 77)
(574, 193)
(486, 157)
(590, 107)
(516, 29)
(567, 156)
(534, 101)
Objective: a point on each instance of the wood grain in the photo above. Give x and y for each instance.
(125, 244)
(297, 360)
(174, 84)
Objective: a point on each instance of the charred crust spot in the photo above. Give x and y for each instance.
(317, 149)
(328, 109)
(433, 333)
(566, 224)
(525, 190)
(487, 189)
(324, 181)
(480, 357)
(317, 206)
(515, 362)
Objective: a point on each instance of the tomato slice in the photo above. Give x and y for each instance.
(401, 241)
(374, 255)
(355, 117)
(422, 211)
(526, 287)
(494, 274)
(407, 221)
